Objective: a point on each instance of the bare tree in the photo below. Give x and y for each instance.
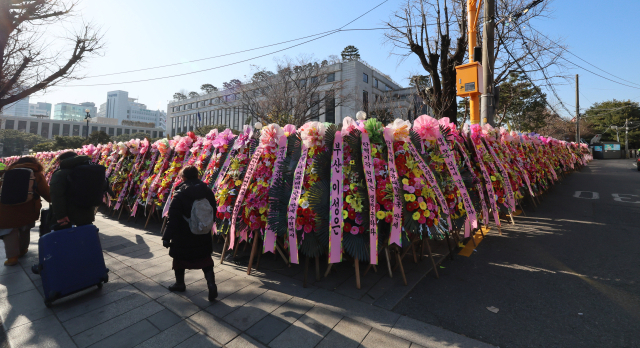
(27, 66)
(435, 31)
(300, 90)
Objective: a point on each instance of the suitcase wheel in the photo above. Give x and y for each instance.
(106, 278)
(99, 285)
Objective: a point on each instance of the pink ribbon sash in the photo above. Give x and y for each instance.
(505, 176)
(432, 182)
(143, 178)
(335, 236)
(369, 176)
(480, 151)
(269, 235)
(396, 223)
(457, 179)
(293, 205)
(243, 190)
(127, 183)
(485, 211)
(225, 166)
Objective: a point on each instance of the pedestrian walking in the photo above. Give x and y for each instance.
(188, 234)
(21, 188)
(77, 189)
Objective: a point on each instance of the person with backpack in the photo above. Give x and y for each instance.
(77, 189)
(188, 233)
(21, 187)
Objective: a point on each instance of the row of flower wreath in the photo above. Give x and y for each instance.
(416, 187)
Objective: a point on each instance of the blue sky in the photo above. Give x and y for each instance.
(145, 33)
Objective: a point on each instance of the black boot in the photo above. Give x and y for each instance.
(179, 285)
(210, 276)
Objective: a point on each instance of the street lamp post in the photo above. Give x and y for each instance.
(88, 117)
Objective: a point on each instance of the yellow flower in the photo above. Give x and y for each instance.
(389, 213)
(405, 181)
(352, 186)
(262, 210)
(263, 218)
(238, 182)
(427, 213)
(380, 215)
(436, 222)
(493, 178)
(423, 205)
(374, 151)
(348, 199)
(417, 172)
(416, 216)
(460, 205)
(345, 214)
(412, 197)
(407, 197)
(352, 162)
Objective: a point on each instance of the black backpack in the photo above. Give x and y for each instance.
(87, 185)
(17, 186)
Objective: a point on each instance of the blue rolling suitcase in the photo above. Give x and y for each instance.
(71, 260)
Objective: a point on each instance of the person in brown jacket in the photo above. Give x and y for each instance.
(16, 220)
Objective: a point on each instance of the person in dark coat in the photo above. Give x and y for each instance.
(16, 220)
(188, 250)
(65, 211)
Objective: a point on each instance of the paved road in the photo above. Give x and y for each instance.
(567, 275)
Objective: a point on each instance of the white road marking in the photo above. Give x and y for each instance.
(594, 195)
(617, 197)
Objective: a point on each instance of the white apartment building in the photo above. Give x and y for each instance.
(119, 106)
(19, 108)
(366, 84)
(40, 109)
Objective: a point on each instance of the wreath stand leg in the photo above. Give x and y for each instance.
(235, 250)
(306, 271)
(326, 273)
(448, 241)
(153, 210)
(386, 253)
(521, 208)
(511, 216)
(224, 248)
(404, 277)
(254, 250)
(164, 225)
(433, 262)
(284, 258)
(357, 266)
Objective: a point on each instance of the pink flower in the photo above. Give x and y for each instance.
(348, 124)
(244, 137)
(270, 135)
(355, 230)
(427, 127)
(312, 133)
(307, 228)
(289, 129)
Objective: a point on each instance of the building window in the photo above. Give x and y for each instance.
(155, 134)
(315, 107)
(330, 108)
(119, 131)
(103, 129)
(94, 129)
(365, 101)
(65, 130)
(127, 130)
(33, 128)
(111, 131)
(365, 78)
(76, 130)
(331, 77)
(227, 117)
(387, 88)
(44, 131)
(56, 129)
(375, 83)
(22, 126)
(9, 124)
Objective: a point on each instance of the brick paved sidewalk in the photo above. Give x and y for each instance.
(134, 309)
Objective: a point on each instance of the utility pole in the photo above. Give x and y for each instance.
(577, 111)
(472, 21)
(488, 104)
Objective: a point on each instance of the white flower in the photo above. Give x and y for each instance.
(305, 205)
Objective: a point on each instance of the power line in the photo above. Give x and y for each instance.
(248, 50)
(571, 53)
(606, 78)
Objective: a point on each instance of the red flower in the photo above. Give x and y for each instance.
(347, 227)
